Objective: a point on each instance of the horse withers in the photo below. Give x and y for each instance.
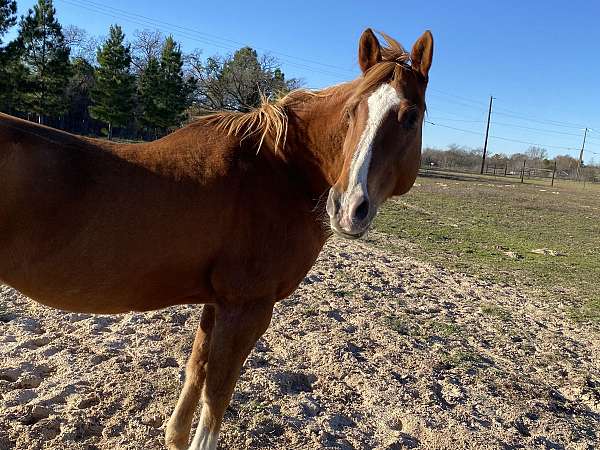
(230, 211)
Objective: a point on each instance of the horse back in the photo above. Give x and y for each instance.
(37, 171)
(104, 222)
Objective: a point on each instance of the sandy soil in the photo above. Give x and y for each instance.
(372, 351)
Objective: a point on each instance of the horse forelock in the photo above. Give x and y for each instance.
(394, 60)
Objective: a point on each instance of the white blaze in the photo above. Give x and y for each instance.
(380, 103)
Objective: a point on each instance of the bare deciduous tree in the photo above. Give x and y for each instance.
(147, 44)
(454, 156)
(236, 82)
(535, 152)
(566, 162)
(82, 45)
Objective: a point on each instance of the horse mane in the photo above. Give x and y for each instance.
(270, 118)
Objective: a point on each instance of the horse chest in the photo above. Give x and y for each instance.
(271, 261)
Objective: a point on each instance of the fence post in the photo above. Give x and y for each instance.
(553, 172)
(505, 167)
(523, 170)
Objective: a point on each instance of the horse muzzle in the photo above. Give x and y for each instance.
(350, 214)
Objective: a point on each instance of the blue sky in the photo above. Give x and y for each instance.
(539, 59)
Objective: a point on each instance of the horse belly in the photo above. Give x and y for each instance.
(69, 246)
(101, 261)
(95, 281)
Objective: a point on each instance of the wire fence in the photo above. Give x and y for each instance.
(519, 172)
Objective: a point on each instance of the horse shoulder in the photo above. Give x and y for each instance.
(275, 237)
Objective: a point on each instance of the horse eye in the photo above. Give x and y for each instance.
(409, 118)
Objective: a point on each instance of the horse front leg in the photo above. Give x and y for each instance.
(180, 423)
(237, 328)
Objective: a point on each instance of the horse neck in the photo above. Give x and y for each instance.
(316, 134)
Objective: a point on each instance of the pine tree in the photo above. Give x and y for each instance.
(113, 94)
(164, 92)
(78, 94)
(45, 57)
(8, 18)
(150, 96)
(175, 89)
(13, 78)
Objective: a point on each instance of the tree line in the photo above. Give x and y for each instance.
(535, 157)
(61, 76)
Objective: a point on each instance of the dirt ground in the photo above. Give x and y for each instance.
(373, 351)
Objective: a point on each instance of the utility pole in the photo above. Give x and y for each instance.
(581, 154)
(487, 130)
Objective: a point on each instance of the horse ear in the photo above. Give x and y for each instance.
(422, 54)
(369, 50)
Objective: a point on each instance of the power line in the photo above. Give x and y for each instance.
(545, 130)
(457, 102)
(593, 141)
(477, 102)
(191, 35)
(541, 121)
(498, 110)
(213, 37)
(534, 129)
(511, 125)
(448, 119)
(507, 139)
(183, 32)
(453, 128)
(141, 20)
(550, 121)
(537, 144)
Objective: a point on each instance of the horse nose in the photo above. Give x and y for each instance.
(359, 209)
(349, 213)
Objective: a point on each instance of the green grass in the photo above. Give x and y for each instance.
(406, 326)
(495, 311)
(465, 358)
(399, 325)
(445, 329)
(488, 226)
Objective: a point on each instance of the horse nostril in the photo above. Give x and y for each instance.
(362, 211)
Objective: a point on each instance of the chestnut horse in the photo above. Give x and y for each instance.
(227, 212)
